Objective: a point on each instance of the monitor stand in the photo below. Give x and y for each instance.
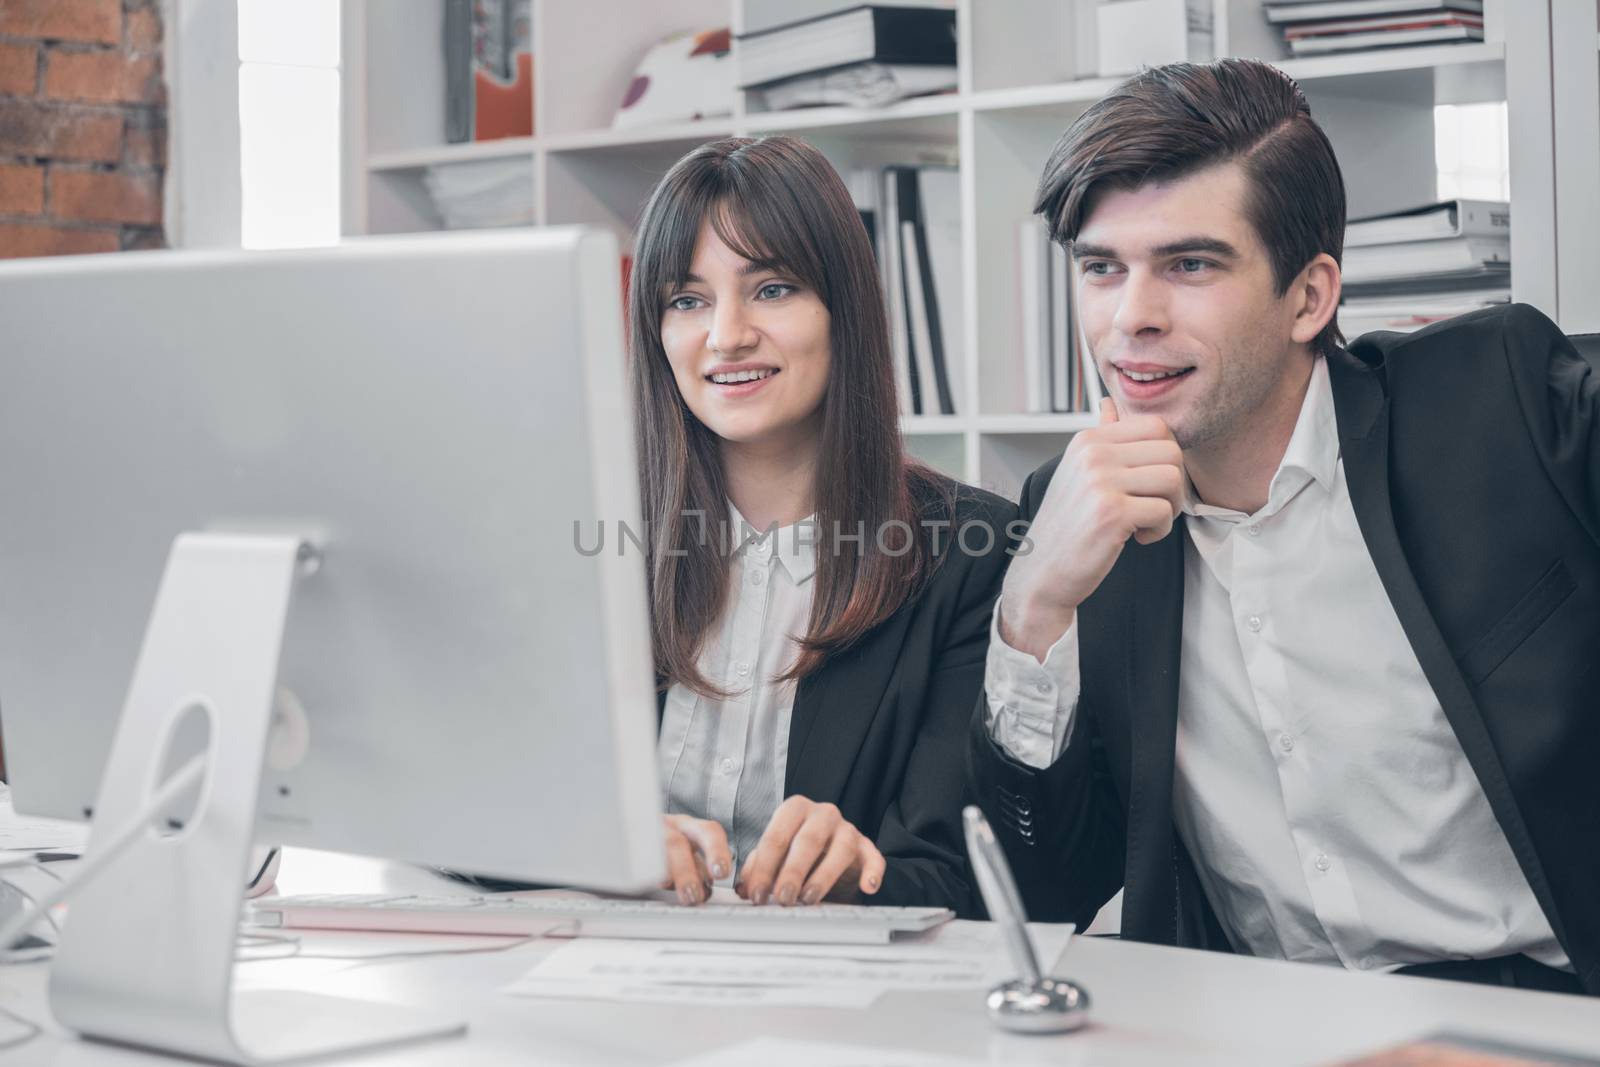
(147, 955)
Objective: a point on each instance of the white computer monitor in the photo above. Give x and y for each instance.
(436, 424)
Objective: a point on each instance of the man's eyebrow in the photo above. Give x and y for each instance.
(1210, 245)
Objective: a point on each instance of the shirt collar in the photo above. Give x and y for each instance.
(1312, 455)
(793, 545)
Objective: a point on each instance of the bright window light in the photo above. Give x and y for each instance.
(1472, 151)
(289, 122)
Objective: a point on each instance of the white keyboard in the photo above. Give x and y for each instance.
(589, 917)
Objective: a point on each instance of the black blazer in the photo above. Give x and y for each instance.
(1472, 454)
(881, 728)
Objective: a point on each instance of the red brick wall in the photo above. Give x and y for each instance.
(83, 126)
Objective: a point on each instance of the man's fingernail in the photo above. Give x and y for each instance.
(683, 895)
(720, 870)
(760, 896)
(786, 895)
(811, 895)
(872, 881)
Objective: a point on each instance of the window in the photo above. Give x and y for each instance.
(289, 122)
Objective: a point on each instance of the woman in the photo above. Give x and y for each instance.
(818, 682)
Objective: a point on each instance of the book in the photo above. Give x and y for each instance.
(488, 69)
(939, 197)
(1433, 256)
(1406, 312)
(1062, 378)
(1033, 274)
(1447, 218)
(910, 36)
(930, 373)
(895, 297)
(867, 84)
(1359, 42)
(1385, 23)
(921, 320)
(1281, 11)
(1483, 276)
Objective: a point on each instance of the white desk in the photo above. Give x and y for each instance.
(1152, 1005)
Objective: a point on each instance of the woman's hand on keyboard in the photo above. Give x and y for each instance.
(809, 853)
(697, 855)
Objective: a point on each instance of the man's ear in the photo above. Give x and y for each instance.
(1316, 296)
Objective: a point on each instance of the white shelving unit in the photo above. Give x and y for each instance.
(1025, 73)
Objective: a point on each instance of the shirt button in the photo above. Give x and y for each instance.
(1254, 622)
(1322, 862)
(1043, 687)
(1255, 529)
(727, 765)
(1286, 742)
(742, 668)
(757, 577)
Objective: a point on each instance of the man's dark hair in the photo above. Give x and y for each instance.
(1168, 122)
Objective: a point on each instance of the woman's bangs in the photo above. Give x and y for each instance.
(766, 236)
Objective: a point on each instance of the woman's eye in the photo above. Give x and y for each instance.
(773, 290)
(683, 303)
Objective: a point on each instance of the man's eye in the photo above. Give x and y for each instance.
(1192, 266)
(1097, 268)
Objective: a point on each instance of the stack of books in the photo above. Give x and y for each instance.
(1058, 375)
(865, 54)
(1407, 269)
(1321, 27)
(913, 216)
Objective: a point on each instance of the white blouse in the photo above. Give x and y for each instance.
(726, 759)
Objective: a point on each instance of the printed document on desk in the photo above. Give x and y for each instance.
(782, 1052)
(958, 955)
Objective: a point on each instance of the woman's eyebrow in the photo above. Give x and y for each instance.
(755, 266)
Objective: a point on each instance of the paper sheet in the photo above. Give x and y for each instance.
(780, 1052)
(959, 955)
(22, 833)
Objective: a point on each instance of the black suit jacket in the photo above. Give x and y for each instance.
(881, 728)
(1472, 454)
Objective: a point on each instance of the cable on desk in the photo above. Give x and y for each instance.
(101, 856)
(33, 1030)
(418, 953)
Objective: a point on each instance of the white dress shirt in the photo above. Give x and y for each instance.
(1330, 808)
(725, 759)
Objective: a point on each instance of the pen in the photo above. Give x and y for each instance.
(999, 891)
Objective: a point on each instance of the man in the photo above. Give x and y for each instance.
(1304, 655)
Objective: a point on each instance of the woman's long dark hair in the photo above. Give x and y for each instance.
(775, 201)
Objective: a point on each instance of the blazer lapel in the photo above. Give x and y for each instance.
(834, 707)
(1152, 652)
(1361, 403)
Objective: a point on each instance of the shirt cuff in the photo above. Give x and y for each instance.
(1030, 704)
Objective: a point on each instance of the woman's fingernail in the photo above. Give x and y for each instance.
(720, 871)
(811, 895)
(684, 896)
(786, 895)
(760, 896)
(872, 882)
